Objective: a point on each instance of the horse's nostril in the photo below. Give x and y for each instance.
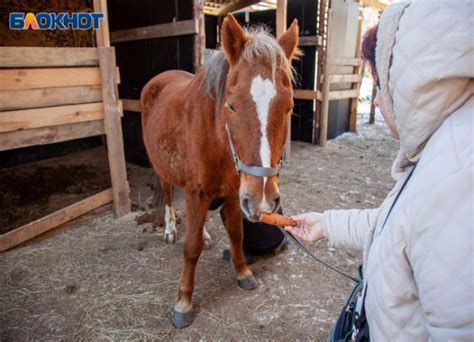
(245, 205)
(277, 202)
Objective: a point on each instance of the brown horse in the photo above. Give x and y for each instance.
(198, 129)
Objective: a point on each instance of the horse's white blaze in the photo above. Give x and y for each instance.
(263, 91)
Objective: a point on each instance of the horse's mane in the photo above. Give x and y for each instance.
(261, 47)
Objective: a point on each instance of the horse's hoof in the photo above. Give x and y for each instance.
(171, 237)
(247, 283)
(182, 320)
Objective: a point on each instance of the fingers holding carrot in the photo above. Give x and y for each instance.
(309, 226)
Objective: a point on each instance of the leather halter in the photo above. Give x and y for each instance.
(258, 171)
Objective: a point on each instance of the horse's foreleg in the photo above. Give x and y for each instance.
(195, 210)
(232, 217)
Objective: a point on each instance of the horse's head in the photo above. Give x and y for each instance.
(258, 104)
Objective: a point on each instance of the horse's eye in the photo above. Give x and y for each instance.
(232, 109)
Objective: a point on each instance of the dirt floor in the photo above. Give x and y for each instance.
(116, 280)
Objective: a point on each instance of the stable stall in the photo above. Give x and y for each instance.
(51, 95)
(64, 90)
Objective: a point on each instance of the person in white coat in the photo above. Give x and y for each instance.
(419, 265)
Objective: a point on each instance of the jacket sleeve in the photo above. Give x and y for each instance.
(349, 228)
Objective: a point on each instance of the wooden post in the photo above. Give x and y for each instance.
(113, 130)
(112, 114)
(326, 83)
(280, 29)
(354, 101)
(200, 37)
(372, 105)
(102, 34)
(320, 54)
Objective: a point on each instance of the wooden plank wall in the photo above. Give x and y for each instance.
(333, 64)
(49, 95)
(345, 43)
(27, 40)
(41, 88)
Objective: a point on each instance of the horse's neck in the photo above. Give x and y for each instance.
(211, 116)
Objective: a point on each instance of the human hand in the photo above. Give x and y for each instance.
(310, 227)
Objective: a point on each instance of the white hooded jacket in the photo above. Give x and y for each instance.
(420, 267)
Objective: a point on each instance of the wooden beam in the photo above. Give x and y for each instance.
(50, 116)
(344, 78)
(235, 6)
(310, 40)
(200, 37)
(376, 4)
(113, 129)
(281, 26)
(325, 94)
(49, 135)
(322, 8)
(303, 94)
(345, 61)
(357, 71)
(102, 34)
(14, 57)
(344, 94)
(20, 79)
(42, 225)
(212, 8)
(178, 28)
(131, 105)
(48, 97)
(336, 70)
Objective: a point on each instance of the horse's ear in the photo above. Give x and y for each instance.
(289, 40)
(233, 39)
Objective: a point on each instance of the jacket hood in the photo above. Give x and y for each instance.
(425, 65)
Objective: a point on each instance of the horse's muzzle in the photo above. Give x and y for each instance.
(252, 209)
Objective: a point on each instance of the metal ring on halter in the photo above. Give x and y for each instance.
(258, 171)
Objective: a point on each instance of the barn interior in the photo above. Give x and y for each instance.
(150, 37)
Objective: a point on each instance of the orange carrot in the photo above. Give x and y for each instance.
(276, 219)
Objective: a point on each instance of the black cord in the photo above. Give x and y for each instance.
(314, 257)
